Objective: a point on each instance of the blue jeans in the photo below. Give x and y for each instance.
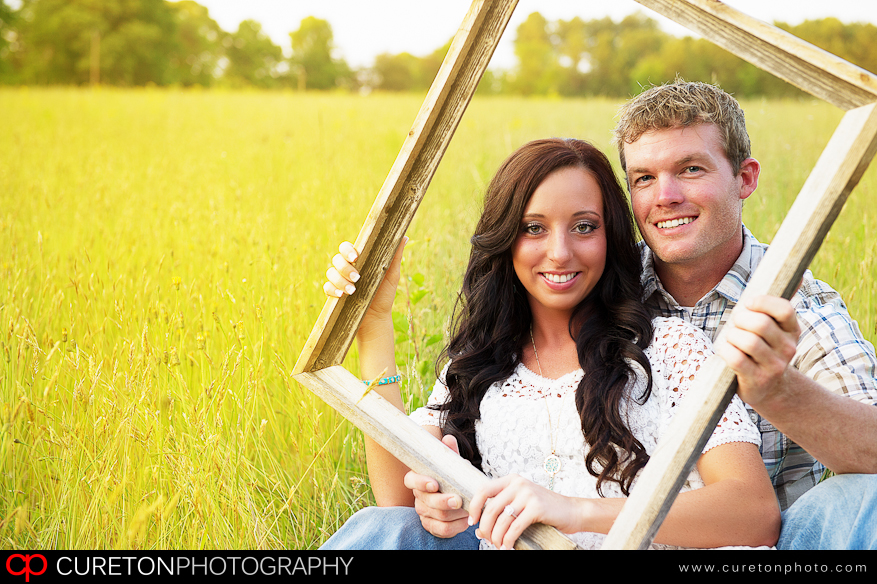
(393, 528)
(837, 514)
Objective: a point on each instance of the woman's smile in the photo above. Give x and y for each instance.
(559, 278)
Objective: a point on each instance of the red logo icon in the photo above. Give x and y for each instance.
(27, 571)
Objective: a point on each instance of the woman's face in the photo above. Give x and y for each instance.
(560, 251)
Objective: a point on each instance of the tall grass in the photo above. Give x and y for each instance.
(161, 254)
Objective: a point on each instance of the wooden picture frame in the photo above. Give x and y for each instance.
(838, 170)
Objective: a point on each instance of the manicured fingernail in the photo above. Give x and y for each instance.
(350, 288)
(339, 293)
(471, 522)
(351, 256)
(354, 276)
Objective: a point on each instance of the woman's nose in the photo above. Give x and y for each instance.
(558, 247)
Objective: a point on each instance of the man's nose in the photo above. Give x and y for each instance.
(669, 191)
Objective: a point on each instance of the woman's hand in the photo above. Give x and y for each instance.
(441, 514)
(506, 507)
(343, 275)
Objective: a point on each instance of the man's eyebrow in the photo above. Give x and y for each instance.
(680, 162)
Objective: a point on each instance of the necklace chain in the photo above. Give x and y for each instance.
(551, 464)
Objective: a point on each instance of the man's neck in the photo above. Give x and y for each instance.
(689, 282)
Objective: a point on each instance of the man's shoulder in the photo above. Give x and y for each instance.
(810, 290)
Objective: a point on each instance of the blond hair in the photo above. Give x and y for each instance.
(684, 103)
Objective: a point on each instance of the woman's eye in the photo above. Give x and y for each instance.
(532, 229)
(585, 228)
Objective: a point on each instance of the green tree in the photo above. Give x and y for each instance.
(578, 57)
(855, 42)
(312, 64)
(406, 72)
(538, 70)
(132, 39)
(8, 42)
(253, 58)
(396, 72)
(615, 49)
(199, 50)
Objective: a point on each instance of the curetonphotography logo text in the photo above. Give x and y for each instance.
(91, 564)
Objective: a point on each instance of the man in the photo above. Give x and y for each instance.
(803, 368)
(686, 155)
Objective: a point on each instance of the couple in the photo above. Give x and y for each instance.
(571, 348)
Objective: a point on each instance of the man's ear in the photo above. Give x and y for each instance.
(749, 171)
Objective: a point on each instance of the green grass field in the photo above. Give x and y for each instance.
(161, 256)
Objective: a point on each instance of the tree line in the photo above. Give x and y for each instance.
(142, 42)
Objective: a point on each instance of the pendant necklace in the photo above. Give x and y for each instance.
(551, 465)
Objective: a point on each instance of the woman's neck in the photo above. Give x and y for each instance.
(551, 351)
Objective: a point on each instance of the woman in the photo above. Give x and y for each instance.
(558, 383)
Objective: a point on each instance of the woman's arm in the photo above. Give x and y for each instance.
(736, 507)
(375, 341)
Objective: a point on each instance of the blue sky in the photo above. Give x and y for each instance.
(365, 28)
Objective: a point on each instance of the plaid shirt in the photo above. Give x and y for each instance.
(831, 351)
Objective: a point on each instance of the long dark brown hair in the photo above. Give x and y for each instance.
(492, 315)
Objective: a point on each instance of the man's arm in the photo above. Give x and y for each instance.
(839, 432)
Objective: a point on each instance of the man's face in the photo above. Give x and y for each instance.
(686, 199)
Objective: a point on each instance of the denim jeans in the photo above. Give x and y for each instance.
(837, 514)
(393, 528)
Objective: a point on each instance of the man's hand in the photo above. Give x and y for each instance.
(760, 343)
(441, 514)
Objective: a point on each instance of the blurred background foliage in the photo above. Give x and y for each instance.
(155, 42)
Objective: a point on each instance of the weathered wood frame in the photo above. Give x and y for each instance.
(838, 170)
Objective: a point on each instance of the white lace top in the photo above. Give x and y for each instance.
(513, 433)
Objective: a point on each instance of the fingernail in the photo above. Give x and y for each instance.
(339, 293)
(351, 257)
(432, 487)
(454, 503)
(471, 522)
(350, 288)
(354, 276)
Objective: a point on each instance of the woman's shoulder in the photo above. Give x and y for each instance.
(673, 338)
(671, 328)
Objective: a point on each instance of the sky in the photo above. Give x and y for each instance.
(366, 28)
